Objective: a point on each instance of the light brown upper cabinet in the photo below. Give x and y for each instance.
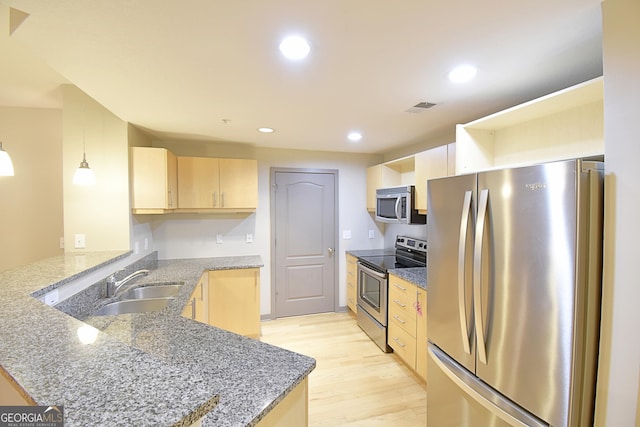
(562, 125)
(434, 163)
(153, 180)
(390, 174)
(213, 183)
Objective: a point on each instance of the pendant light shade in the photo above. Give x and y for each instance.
(6, 166)
(84, 175)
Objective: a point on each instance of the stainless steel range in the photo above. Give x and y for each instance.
(373, 285)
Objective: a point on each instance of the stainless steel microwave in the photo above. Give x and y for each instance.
(397, 205)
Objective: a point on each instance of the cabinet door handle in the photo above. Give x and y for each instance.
(399, 303)
(399, 287)
(193, 308)
(399, 342)
(170, 198)
(395, 316)
(222, 200)
(201, 291)
(215, 199)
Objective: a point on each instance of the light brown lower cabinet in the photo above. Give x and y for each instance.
(352, 283)
(198, 306)
(227, 299)
(234, 300)
(407, 329)
(293, 410)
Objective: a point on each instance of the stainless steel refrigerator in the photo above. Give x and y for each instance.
(514, 270)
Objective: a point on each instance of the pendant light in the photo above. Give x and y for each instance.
(84, 175)
(6, 166)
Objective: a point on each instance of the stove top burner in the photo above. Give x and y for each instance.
(381, 263)
(408, 253)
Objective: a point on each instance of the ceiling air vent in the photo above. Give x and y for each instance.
(420, 107)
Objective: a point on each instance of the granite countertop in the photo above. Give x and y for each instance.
(415, 275)
(142, 369)
(372, 252)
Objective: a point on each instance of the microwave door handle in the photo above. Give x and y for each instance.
(477, 275)
(398, 204)
(462, 246)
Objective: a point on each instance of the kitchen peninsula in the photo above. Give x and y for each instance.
(156, 368)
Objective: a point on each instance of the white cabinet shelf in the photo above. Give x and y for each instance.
(565, 124)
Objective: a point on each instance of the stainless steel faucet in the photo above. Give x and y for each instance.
(114, 285)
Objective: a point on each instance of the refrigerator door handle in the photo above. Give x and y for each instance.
(482, 393)
(477, 275)
(462, 246)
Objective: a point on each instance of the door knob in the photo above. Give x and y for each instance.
(330, 250)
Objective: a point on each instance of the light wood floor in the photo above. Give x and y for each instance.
(354, 383)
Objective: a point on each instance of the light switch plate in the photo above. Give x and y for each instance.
(249, 238)
(218, 238)
(346, 234)
(372, 234)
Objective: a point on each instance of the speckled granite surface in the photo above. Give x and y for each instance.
(415, 275)
(372, 252)
(143, 369)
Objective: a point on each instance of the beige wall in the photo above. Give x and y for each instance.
(100, 212)
(31, 201)
(618, 377)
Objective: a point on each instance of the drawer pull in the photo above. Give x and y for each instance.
(399, 303)
(399, 287)
(399, 342)
(399, 319)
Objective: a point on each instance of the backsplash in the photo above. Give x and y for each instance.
(417, 231)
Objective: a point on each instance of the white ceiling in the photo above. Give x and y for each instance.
(180, 69)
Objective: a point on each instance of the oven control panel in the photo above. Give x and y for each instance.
(411, 243)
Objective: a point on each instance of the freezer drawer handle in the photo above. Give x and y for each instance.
(477, 275)
(482, 393)
(462, 246)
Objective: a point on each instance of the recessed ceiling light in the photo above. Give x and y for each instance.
(266, 130)
(462, 73)
(354, 136)
(295, 47)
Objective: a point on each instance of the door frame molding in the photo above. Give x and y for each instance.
(272, 214)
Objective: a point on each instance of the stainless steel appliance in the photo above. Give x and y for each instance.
(397, 205)
(373, 285)
(515, 266)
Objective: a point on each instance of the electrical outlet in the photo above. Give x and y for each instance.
(146, 243)
(249, 238)
(136, 247)
(62, 243)
(372, 234)
(218, 238)
(79, 241)
(346, 234)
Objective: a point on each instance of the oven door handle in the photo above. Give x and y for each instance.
(372, 272)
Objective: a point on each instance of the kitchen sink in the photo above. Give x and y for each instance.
(155, 291)
(143, 305)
